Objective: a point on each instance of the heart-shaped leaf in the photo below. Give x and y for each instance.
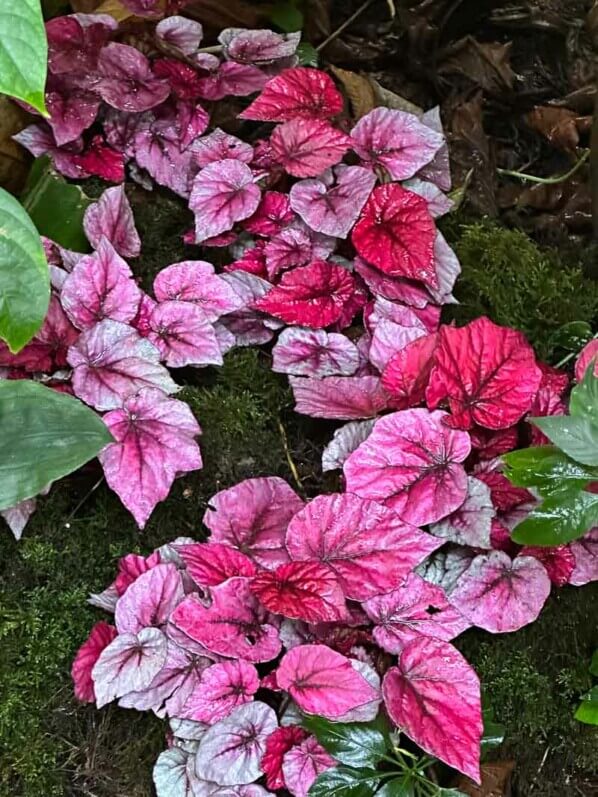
(355, 744)
(23, 52)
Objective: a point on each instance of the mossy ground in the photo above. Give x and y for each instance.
(52, 747)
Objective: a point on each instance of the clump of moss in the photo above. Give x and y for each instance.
(507, 277)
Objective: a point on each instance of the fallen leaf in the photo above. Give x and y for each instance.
(359, 89)
(486, 64)
(496, 781)
(559, 126)
(389, 99)
(115, 9)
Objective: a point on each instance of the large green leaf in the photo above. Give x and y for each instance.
(588, 708)
(576, 436)
(400, 787)
(344, 782)
(23, 51)
(594, 664)
(558, 520)
(584, 398)
(571, 337)
(24, 275)
(43, 436)
(547, 469)
(353, 744)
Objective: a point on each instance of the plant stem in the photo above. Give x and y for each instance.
(345, 25)
(560, 178)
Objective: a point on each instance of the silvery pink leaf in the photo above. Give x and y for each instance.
(250, 790)
(417, 608)
(17, 516)
(390, 337)
(248, 326)
(448, 268)
(126, 81)
(71, 110)
(370, 710)
(471, 523)
(412, 462)
(303, 763)
(235, 625)
(222, 194)
(368, 547)
(223, 688)
(39, 140)
(433, 695)
(102, 634)
(257, 47)
(180, 32)
(154, 442)
(183, 335)
(218, 146)
(174, 775)
(396, 140)
(445, 568)
(187, 730)
(345, 398)
(323, 682)
(231, 750)
(191, 120)
(298, 93)
(438, 203)
(305, 147)
(395, 289)
(585, 551)
(111, 217)
(105, 600)
(149, 600)
(141, 322)
(164, 160)
(101, 286)
(344, 442)
(313, 352)
(226, 339)
(195, 281)
(131, 566)
(333, 210)
(111, 362)
(288, 248)
(438, 170)
(121, 127)
(232, 79)
(128, 664)
(500, 594)
(253, 517)
(272, 215)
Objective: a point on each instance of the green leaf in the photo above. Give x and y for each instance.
(43, 436)
(55, 206)
(494, 732)
(558, 520)
(23, 52)
(571, 337)
(548, 470)
(286, 16)
(576, 436)
(24, 275)
(588, 708)
(307, 54)
(344, 782)
(401, 787)
(594, 664)
(353, 744)
(450, 793)
(584, 397)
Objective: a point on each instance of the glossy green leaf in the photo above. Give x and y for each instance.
(344, 782)
(584, 398)
(494, 732)
(576, 436)
(286, 16)
(450, 793)
(547, 469)
(24, 275)
(571, 337)
(23, 52)
(594, 664)
(588, 708)
(354, 744)
(401, 787)
(43, 436)
(55, 206)
(558, 520)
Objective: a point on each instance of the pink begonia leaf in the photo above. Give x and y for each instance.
(277, 745)
(288, 248)
(588, 354)
(298, 93)
(223, 193)
(164, 161)
(308, 591)
(311, 296)
(248, 326)
(17, 516)
(73, 48)
(323, 682)
(224, 687)
(231, 79)
(585, 551)
(505, 496)
(126, 81)
(180, 32)
(141, 322)
(390, 337)
(412, 462)
(71, 110)
(344, 441)
(218, 146)
(212, 563)
(395, 140)
(500, 594)
(447, 268)
(438, 171)
(196, 281)
(111, 216)
(471, 523)
(406, 374)
(102, 634)
(100, 286)
(235, 625)
(99, 160)
(131, 566)
(259, 47)
(313, 352)
(333, 210)
(367, 546)
(273, 213)
(39, 140)
(252, 261)
(305, 147)
(230, 751)
(433, 695)
(384, 310)
(486, 373)
(558, 561)
(250, 790)
(500, 537)
(394, 289)
(184, 81)
(144, 8)
(438, 203)
(128, 664)
(548, 400)
(150, 599)
(111, 362)
(345, 398)
(417, 608)
(253, 517)
(48, 349)
(183, 335)
(303, 763)
(226, 339)
(154, 442)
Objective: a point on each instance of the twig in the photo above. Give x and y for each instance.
(287, 451)
(67, 522)
(560, 178)
(344, 26)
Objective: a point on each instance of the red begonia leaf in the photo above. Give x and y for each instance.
(252, 261)
(150, 599)
(486, 373)
(548, 400)
(253, 517)
(396, 233)
(558, 561)
(323, 682)
(344, 441)
(406, 374)
(126, 81)
(259, 47)
(298, 93)
(235, 625)
(218, 146)
(389, 337)
(183, 79)
(154, 442)
(183, 335)
(223, 688)
(305, 147)
(111, 362)
(345, 398)
(100, 160)
(180, 32)
(490, 445)
(471, 523)
(433, 695)
(367, 546)
(505, 496)
(313, 352)
(302, 764)
(412, 462)
(585, 551)
(100, 637)
(195, 281)
(277, 744)
(274, 213)
(71, 110)
(131, 566)
(111, 217)
(588, 354)
(500, 594)
(73, 48)
(232, 79)
(211, 563)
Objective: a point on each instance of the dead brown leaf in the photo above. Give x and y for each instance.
(389, 99)
(115, 9)
(496, 781)
(359, 89)
(14, 161)
(560, 126)
(486, 64)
